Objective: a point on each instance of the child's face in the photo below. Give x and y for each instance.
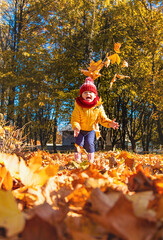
(88, 96)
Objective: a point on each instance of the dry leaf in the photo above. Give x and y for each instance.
(10, 217)
(36, 178)
(11, 163)
(6, 181)
(78, 197)
(113, 80)
(117, 47)
(122, 76)
(93, 69)
(114, 58)
(38, 229)
(124, 64)
(121, 221)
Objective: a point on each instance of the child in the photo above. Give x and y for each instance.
(88, 112)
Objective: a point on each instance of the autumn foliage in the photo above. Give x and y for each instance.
(49, 196)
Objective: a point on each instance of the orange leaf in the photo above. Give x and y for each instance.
(11, 163)
(33, 178)
(35, 162)
(158, 183)
(80, 149)
(113, 80)
(139, 181)
(117, 47)
(78, 197)
(115, 58)
(93, 69)
(38, 229)
(107, 62)
(5, 179)
(95, 66)
(122, 76)
(122, 221)
(125, 64)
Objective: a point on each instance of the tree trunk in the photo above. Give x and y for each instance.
(159, 127)
(90, 46)
(55, 135)
(124, 125)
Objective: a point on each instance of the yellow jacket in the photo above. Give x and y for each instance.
(87, 119)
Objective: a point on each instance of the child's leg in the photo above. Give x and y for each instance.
(79, 140)
(89, 145)
(91, 157)
(78, 157)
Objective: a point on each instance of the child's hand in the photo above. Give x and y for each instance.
(114, 124)
(76, 132)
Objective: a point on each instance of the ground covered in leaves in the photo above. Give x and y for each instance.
(50, 197)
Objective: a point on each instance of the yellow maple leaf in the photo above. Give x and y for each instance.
(95, 66)
(33, 177)
(93, 69)
(11, 217)
(114, 58)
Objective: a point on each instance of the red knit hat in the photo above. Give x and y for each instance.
(88, 86)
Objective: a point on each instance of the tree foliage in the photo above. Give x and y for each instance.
(45, 44)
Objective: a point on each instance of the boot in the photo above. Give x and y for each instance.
(91, 157)
(78, 157)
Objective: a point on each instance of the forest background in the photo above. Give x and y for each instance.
(44, 44)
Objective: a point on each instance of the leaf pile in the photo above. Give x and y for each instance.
(50, 196)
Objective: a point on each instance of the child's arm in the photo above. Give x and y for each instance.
(76, 132)
(105, 121)
(114, 124)
(75, 121)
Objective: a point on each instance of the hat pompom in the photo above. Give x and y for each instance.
(89, 79)
(88, 86)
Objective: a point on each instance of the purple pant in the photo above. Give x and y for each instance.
(86, 140)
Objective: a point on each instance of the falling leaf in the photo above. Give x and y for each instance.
(124, 64)
(80, 149)
(115, 58)
(10, 217)
(117, 47)
(107, 62)
(113, 80)
(93, 75)
(122, 76)
(93, 69)
(95, 66)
